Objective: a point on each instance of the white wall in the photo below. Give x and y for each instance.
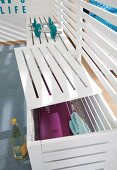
(12, 20)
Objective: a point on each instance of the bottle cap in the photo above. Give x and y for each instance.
(13, 121)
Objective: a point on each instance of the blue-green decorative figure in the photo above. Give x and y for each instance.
(34, 23)
(37, 30)
(53, 31)
(50, 22)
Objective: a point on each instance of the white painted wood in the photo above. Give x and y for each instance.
(101, 113)
(100, 76)
(103, 57)
(76, 161)
(69, 12)
(75, 152)
(74, 141)
(95, 36)
(104, 30)
(25, 77)
(92, 166)
(112, 18)
(72, 73)
(111, 161)
(69, 20)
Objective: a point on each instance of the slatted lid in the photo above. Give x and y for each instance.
(50, 75)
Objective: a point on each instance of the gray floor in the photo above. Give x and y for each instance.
(12, 104)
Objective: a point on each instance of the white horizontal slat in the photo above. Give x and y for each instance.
(98, 165)
(70, 5)
(104, 57)
(69, 34)
(109, 3)
(69, 27)
(77, 152)
(76, 161)
(104, 69)
(69, 12)
(98, 39)
(106, 84)
(110, 34)
(74, 141)
(112, 18)
(69, 20)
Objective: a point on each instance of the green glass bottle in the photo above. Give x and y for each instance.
(18, 142)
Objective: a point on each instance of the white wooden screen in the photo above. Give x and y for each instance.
(98, 44)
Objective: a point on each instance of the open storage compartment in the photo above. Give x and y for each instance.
(50, 136)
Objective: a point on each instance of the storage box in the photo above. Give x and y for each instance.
(53, 75)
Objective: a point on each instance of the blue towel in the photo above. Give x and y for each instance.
(77, 125)
(107, 8)
(71, 125)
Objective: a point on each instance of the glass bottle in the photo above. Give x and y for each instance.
(18, 142)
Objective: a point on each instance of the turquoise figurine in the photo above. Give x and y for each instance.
(37, 30)
(34, 23)
(53, 31)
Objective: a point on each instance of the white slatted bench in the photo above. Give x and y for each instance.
(51, 75)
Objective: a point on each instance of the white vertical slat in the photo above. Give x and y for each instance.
(36, 75)
(25, 77)
(52, 84)
(65, 85)
(101, 113)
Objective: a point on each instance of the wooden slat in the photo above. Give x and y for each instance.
(69, 12)
(103, 29)
(77, 152)
(95, 36)
(64, 83)
(112, 18)
(36, 75)
(107, 111)
(52, 84)
(101, 113)
(105, 58)
(69, 34)
(76, 161)
(96, 114)
(25, 77)
(74, 141)
(70, 5)
(69, 27)
(106, 84)
(69, 20)
(92, 116)
(103, 67)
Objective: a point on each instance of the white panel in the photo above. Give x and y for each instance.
(75, 152)
(76, 161)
